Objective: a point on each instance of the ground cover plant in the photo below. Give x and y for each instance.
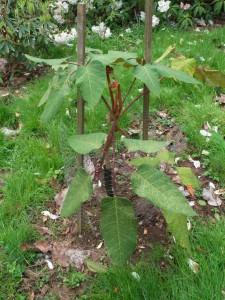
(19, 199)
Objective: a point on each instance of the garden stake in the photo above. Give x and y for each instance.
(81, 22)
(148, 42)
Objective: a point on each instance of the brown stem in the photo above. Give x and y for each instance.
(106, 104)
(123, 132)
(106, 148)
(131, 103)
(132, 84)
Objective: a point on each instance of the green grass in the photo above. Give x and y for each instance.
(175, 280)
(30, 159)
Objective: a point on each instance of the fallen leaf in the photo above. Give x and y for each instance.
(50, 264)
(191, 203)
(43, 230)
(46, 213)
(99, 245)
(193, 265)
(59, 198)
(162, 114)
(145, 231)
(9, 132)
(136, 276)
(95, 267)
(196, 163)
(116, 290)
(191, 190)
(209, 196)
(43, 246)
(221, 98)
(31, 297)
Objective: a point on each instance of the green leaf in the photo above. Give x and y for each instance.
(177, 224)
(187, 177)
(91, 81)
(79, 191)
(85, 143)
(212, 77)
(166, 156)
(171, 73)
(118, 227)
(156, 187)
(95, 267)
(184, 64)
(113, 57)
(149, 76)
(145, 146)
(153, 161)
(50, 62)
(52, 84)
(165, 54)
(56, 97)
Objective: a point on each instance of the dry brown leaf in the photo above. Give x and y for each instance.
(59, 198)
(191, 190)
(43, 246)
(31, 297)
(43, 230)
(145, 231)
(221, 98)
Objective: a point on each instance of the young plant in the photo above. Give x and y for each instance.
(118, 223)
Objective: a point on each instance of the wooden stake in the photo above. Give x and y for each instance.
(148, 45)
(81, 23)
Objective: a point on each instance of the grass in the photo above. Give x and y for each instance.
(40, 152)
(165, 274)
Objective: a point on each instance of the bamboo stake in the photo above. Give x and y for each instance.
(148, 45)
(81, 23)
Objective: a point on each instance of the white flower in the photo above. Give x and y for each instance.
(142, 16)
(163, 6)
(102, 30)
(155, 20)
(128, 30)
(72, 2)
(65, 37)
(62, 5)
(196, 163)
(136, 276)
(59, 18)
(117, 5)
(184, 6)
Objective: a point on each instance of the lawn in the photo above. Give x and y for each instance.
(37, 163)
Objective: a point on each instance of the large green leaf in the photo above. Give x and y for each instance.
(91, 81)
(184, 64)
(171, 73)
(178, 226)
(118, 227)
(113, 57)
(156, 187)
(79, 191)
(212, 77)
(148, 75)
(85, 143)
(51, 62)
(145, 146)
(187, 177)
(154, 161)
(56, 95)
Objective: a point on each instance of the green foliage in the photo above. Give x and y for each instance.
(86, 143)
(76, 196)
(145, 146)
(156, 187)
(117, 221)
(187, 177)
(24, 27)
(118, 226)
